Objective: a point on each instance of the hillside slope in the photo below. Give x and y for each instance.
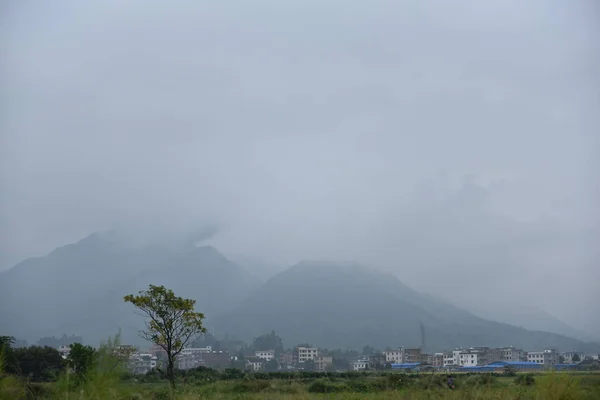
(79, 288)
(349, 306)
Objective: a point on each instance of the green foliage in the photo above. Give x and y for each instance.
(558, 386)
(525, 379)
(38, 364)
(102, 376)
(171, 321)
(269, 341)
(81, 358)
(326, 386)
(576, 358)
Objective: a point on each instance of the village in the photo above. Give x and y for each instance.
(302, 358)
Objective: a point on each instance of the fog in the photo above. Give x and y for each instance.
(453, 143)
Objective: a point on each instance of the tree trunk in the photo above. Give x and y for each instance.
(171, 371)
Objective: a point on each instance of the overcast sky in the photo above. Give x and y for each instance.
(455, 143)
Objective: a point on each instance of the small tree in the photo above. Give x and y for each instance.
(575, 358)
(80, 359)
(171, 321)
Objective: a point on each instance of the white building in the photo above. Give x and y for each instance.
(254, 364)
(306, 353)
(468, 359)
(452, 358)
(394, 356)
(360, 365)
(266, 355)
(548, 357)
(510, 354)
(141, 363)
(64, 351)
(192, 357)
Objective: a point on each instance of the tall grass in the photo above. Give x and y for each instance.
(101, 381)
(11, 387)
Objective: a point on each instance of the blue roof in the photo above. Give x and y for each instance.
(406, 365)
(515, 363)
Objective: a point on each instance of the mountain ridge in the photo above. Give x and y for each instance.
(78, 288)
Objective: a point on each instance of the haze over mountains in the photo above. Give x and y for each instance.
(78, 289)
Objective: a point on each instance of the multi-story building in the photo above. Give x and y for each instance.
(360, 364)
(449, 360)
(411, 355)
(141, 363)
(266, 355)
(303, 354)
(254, 363)
(548, 358)
(484, 355)
(468, 359)
(377, 361)
(437, 360)
(286, 358)
(194, 357)
(509, 354)
(322, 362)
(394, 356)
(475, 356)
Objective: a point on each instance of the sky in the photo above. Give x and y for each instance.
(455, 144)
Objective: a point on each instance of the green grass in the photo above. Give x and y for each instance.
(103, 385)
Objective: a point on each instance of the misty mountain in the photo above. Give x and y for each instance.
(79, 288)
(530, 317)
(349, 306)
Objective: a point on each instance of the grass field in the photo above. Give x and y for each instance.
(551, 386)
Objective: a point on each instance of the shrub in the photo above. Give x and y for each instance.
(525, 379)
(251, 386)
(326, 386)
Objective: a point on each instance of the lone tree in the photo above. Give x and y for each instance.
(171, 321)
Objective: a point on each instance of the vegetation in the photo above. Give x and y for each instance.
(171, 322)
(98, 374)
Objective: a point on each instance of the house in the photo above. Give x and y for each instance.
(548, 358)
(377, 361)
(509, 354)
(322, 362)
(468, 359)
(254, 363)
(394, 356)
(141, 363)
(589, 364)
(360, 364)
(572, 357)
(266, 355)
(192, 357)
(411, 355)
(437, 360)
(303, 354)
(286, 358)
(64, 351)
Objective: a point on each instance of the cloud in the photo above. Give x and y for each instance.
(312, 130)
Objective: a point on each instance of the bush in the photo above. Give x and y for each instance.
(480, 380)
(326, 386)
(251, 386)
(525, 380)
